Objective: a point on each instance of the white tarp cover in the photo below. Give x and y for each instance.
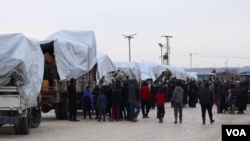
(150, 70)
(132, 69)
(192, 75)
(24, 57)
(105, 65)
(75, 52)
(177, 72)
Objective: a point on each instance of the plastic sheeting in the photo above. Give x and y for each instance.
(22, 57)
(105, 66)
(150, 70)
(75, 52)
(192, 75)
(177, 72)
(132, 69)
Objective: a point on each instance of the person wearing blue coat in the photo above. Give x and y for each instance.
(101, 104)
(87, 102)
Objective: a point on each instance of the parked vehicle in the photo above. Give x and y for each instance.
(67, 54)
(21, 63)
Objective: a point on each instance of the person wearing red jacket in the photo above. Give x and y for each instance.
(145, 99)
(160, 102)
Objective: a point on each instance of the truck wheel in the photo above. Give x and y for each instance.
(25, 123)
(35, 117)
(17, 128)
(23, 126)
(58, 111)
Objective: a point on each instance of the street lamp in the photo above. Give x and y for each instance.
(168, 48)
(161, 46)
(129, 38)
(226, 65)
(191, 54)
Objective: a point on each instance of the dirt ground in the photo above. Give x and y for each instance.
(146, 129)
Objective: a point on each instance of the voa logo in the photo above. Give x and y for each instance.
(236, 132)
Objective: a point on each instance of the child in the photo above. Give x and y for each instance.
(160, 102)
(101, 104)
(87, 102)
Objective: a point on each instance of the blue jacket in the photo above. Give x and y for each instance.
(101, 101)
(88, 93)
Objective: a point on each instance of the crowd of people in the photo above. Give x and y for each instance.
(125, 100)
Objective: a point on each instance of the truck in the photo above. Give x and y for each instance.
(67, 54)
(21, 72)
(34, 75)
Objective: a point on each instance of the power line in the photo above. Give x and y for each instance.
(210, 56)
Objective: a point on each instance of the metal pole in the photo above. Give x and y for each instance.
(191, 54)
(161, 56)
(191, 60)
(129, 38)
(161, 46)
(168, 47)
(129, 49)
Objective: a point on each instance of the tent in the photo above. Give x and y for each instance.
(22, 57)
(75, 52)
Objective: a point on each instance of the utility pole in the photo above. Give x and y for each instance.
(168, 48)
(129, 38)
(161, 46)
(191, 54)
(226, 66)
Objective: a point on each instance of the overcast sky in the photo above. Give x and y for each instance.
(217, 30)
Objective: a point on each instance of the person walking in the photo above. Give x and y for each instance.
(206, 98)
(153, 91)
(177, 98)
(72, 100)
(145, 99)
(160, 98)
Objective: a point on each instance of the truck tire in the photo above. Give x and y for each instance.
(23, 126)
(17, 128)
(58, 111)
(36, 117)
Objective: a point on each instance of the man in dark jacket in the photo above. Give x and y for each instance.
(206, 98)
(116, 102)
(72, 100)
(242, 97)
(192, 94)
(134, 99)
